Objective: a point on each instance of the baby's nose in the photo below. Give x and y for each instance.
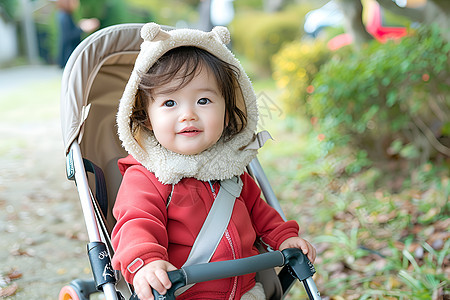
(188, 114)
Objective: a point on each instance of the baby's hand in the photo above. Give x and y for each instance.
(153, 275)
(304, 245)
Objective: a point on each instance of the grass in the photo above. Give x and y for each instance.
(22, 110)
(381, 232)
(41, 101)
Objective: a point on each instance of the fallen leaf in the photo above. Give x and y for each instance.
(8, 291)
(14, 274)
(442, 224)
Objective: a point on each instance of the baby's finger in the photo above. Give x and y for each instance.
(156, 284)
(311, 253)
(144, 292)
(304, 247)
(163, 278)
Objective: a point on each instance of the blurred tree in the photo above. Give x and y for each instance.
(273, 5)
(111, 12)
(8, 9)
(433, 11)
(204, 10)
(353, 23)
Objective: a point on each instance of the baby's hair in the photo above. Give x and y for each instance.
(183, 63)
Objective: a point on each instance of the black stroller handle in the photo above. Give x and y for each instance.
(299, 266)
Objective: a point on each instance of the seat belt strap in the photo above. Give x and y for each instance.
(215, 223)
(214, 226)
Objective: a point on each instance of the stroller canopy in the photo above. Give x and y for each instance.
(95, 75)
(92, 84)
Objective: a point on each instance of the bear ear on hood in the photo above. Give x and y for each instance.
(222, 33)
(152, 32)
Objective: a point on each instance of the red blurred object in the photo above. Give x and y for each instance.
(374, 27)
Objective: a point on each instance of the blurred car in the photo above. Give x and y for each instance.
(328, 15)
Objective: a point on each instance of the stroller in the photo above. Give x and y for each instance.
(92, 84)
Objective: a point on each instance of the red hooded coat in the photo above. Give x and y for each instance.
(149, 231)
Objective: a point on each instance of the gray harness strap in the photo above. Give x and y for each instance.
(216, 222)
(214, 226)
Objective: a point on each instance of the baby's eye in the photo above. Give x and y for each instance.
(169, 103)
(203, 101)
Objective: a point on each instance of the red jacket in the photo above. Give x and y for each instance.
(146, 229)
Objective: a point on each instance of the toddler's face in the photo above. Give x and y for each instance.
(190, 119)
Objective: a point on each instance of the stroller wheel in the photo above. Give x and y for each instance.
(78, 290)
(68, 292)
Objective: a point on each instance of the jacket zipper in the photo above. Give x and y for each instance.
(230, 241)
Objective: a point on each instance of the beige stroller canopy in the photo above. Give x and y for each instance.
(92, 84)
(94, 79)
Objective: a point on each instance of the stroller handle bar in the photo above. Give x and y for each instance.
(299, 266)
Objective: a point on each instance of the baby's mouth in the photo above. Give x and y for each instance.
(189, 131)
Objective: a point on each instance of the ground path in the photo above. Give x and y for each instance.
(42, 232)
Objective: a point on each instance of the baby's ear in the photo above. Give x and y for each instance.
(152, 32)
(227, 119)
(148, 124)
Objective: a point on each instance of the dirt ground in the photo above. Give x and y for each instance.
(42, 231)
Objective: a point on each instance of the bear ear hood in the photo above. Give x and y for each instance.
(223, 160)
(152, 32)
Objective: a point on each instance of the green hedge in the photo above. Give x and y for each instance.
(258, 36)
(392, 99)
(295, 66)
(389, 99)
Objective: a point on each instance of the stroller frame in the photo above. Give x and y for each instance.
(91, 219)
(126, 39)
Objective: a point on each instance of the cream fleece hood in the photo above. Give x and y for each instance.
(221, 161)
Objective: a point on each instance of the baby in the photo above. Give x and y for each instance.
(188, 118)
